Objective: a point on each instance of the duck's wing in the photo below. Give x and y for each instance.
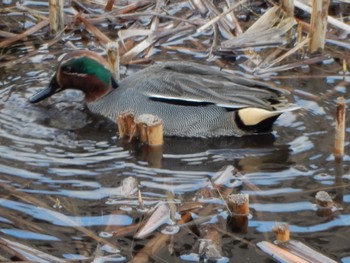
(195, 84)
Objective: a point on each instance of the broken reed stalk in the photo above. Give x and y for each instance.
(150, 129)
(288, 7)
(281, 255)
(147, 127)
(325, 203)
(282, 232)
(56, 16)
(304, 252)
(238, 204)
(109, 5)
(112, 49)
(126, 125)
(323, 199)
(239, 207)
(210, 246)
(285, 249)
(340, 129)
(93, 29)
(331, 20)
(25, 253)
(318, 25)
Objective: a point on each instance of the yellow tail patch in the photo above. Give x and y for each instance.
(253, 116)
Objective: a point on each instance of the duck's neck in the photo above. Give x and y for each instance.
(91, 96)
(95, 89)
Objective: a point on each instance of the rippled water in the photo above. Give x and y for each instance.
(58, 159)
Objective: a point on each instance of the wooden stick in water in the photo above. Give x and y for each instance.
(56, 16)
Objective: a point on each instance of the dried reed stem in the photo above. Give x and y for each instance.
(281, 255)
(94, 30)
(318, 25)
(26, 33)
(288, 7)
(109, 5)
(331, 20)
(220, 16)
(56, 16)
(112, 49)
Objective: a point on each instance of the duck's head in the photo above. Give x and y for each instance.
(82, 70)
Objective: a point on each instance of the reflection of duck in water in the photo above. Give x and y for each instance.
(247, 153)
(193, 100)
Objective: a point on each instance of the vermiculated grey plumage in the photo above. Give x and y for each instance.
(191, 99)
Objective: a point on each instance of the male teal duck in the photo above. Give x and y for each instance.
(193, 100)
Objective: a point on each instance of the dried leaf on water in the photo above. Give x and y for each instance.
(159, 217)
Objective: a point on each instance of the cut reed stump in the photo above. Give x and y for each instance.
(282, 232)
(318, 25)
(340, 128)
(56, 16)
(150, 129)
(339, 142)
(126, 125)
(239, 207)
(324, 203)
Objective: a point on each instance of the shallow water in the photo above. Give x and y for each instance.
(57, 150)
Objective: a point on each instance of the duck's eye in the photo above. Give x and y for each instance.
(67, 68)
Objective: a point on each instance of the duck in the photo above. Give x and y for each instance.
(193, 100)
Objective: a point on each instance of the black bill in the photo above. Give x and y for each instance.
(47, 92)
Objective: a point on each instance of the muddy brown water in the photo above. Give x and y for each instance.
(57, 150)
